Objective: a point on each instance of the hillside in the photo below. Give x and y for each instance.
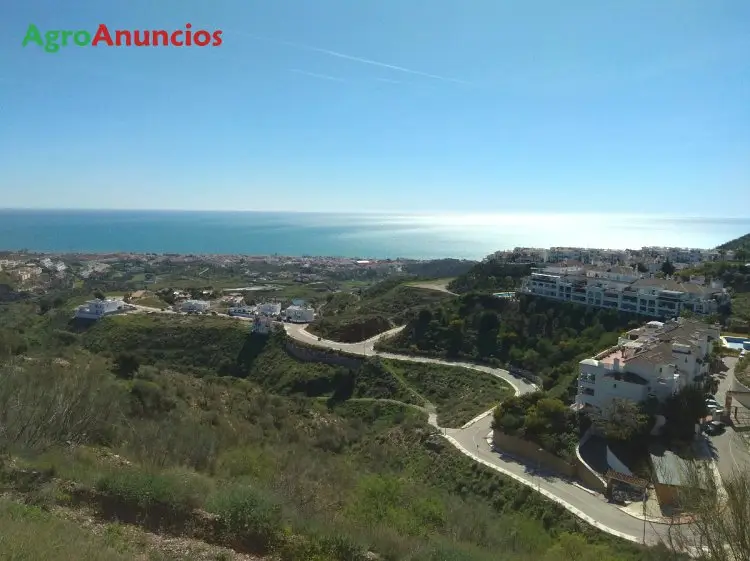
(218, 460)
(490, 275)
(545, 337)
(739, 244)
(736, 277)
(351, 318)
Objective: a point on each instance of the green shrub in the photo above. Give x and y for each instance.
(177, 491)
(246, 517)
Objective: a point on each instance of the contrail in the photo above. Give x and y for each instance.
(314, 75)
(361, 60)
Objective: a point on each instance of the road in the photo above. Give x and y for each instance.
(730, 449)
(472, 440)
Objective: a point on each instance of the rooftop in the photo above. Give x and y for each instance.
(669, 468)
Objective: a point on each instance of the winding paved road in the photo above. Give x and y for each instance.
(473, 440)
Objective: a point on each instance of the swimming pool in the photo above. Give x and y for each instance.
(504, 294)
(738, 343)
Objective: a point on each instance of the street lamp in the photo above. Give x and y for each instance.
(645, 497)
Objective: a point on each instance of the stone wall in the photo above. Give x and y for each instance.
(535, 456)
(309, 354)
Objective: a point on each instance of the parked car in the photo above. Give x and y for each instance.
(713, 428)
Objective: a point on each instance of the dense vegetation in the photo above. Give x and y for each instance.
(439, 268)
(219, 459)
(543, 420)
(543, 336)
(491, 275)
(351, 318)
(178, 342)
(741, 247)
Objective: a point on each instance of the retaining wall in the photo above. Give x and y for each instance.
(532, 452)
(307, 354)
(585, 472)
(743, 393)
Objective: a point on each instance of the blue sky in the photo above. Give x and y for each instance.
(406, 105)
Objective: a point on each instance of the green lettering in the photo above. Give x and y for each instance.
(65, 36)
(32, 34)
(50, 43)
(82, 38)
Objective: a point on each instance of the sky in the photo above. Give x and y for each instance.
(479, 106)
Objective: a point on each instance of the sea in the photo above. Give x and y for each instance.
(413, 235)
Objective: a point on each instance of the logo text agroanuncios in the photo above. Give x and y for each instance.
(53, 40)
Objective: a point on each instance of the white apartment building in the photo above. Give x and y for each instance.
(653, 361)
(195, 306)
(299, 314)
(97, 309)
(523, 255)
(269, 309)
(660, 298)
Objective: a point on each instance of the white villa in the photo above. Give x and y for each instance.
(242, 311)
(299, 314)
(621, 288)
(269, 309)
(653, 361)
(97, 309)
(196, 306)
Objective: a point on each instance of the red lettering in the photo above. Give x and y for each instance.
(145, 42)
(188, 35)
(120, 35)
(102, 34)
(164, 38)
(174, 38)
(217, 39)
(202, 38)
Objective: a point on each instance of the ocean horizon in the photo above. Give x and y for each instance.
(377, 235)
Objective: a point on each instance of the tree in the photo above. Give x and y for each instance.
(99, 295)
(642, 268)
(625, 419)
(489, 324)
(683, 410)
(668, 268)
(126, 365)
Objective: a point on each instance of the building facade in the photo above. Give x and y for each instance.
(655, 361)
(97, 309)
(299, 314)
(195, 306)
(269, 309)
(242, 311)
(623, 290)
